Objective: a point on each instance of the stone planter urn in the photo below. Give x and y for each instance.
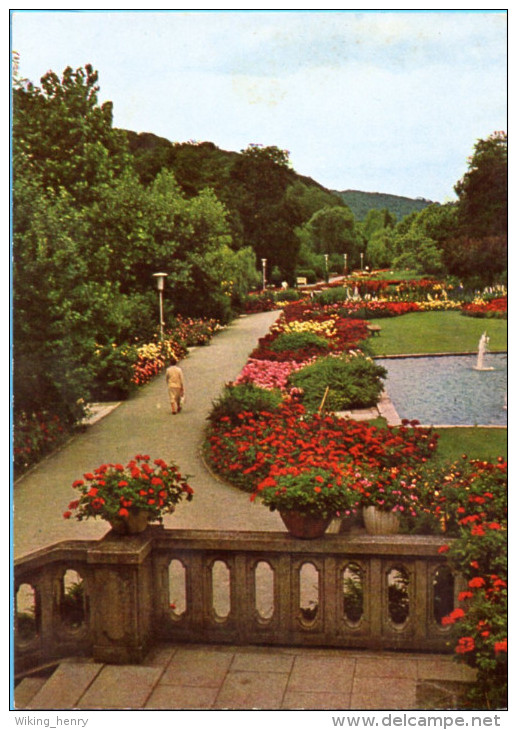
(132, 524)
(378, 522)
(306, 527)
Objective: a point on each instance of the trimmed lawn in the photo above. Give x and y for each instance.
(432, 332)
(474, 441)
(485, 444)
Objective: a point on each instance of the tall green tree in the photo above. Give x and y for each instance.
(260, 179)
(483, 190)
(63, 137)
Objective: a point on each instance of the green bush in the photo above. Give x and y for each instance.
(287, 295)
(354, 381)
(298, 341)
(309, 274)
(114, 370)
(332, 296)
(237, 399)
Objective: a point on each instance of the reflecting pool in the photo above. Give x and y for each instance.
(447, 390)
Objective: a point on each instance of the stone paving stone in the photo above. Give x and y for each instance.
(252, 691)
(377, 693)
(316, 701)
(438, 695)
(444, 668)
(26, 689)
(170, 697)
(386, 667)
(197, 667)
(119, 687)
(321, 674)
(160, 656)
(253, 662)
(64, 688)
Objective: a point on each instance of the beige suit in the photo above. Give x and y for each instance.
(175, 386)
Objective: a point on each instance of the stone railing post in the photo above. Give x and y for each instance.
(121, 598)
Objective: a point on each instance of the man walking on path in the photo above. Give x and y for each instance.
(175, 386)
(143, 424)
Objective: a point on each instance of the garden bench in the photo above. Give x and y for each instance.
(373, 329)
(301, 281)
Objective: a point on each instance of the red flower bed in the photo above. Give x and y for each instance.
(497, 308)
(255, 449)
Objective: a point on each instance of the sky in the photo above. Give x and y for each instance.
(389, 102)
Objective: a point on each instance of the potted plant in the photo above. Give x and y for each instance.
(386, 496)
(307, 497)
(131, 496)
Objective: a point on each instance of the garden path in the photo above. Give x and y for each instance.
(144, 424)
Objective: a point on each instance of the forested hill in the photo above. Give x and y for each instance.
(195, 164)
(201, 164)
(360, 203)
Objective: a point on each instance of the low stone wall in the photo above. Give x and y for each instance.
(341, 590)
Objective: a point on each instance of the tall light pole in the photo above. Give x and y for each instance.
(345, 259)
(362, 260)
(264, 262)
(326, 267)
(160, 284)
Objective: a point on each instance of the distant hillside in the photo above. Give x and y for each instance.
(360, 203)
(201, 164)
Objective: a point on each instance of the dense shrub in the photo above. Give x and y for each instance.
(247, 398)
(299, 341)
(263, 302)
(114, 370)
(308, 274)
(354, 381)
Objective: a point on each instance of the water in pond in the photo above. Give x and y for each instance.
(448, 390)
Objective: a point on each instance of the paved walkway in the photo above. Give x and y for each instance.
(203, 677)
(144, 424)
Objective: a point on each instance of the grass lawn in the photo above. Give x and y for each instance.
(402, 275)
(476, 442)
(431, 332)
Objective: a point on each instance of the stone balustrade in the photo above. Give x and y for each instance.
(128, 593)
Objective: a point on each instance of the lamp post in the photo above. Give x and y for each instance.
(362, 260)
(326, 267)
(160, 284)
(264, 262)
(345, 259)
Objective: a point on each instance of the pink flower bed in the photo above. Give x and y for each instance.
(269, 374)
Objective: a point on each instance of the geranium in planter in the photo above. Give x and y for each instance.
(130, 496)
(307, 498)
(386, 496)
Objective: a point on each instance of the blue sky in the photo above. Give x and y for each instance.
(387, 102)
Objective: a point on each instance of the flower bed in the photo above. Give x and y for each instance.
(36, 435)
(494, 308)
(341, 334)
(245, 452)
(269, 374)
(474, 500)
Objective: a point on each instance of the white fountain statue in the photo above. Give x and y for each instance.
(482, 348)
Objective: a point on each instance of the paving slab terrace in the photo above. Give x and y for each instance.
(208, 676)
